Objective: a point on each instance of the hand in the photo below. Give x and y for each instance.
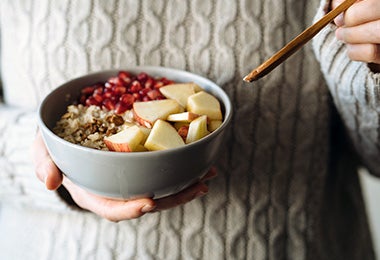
(359, 28)
(113, 210)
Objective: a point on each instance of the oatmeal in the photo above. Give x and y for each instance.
(88, 125)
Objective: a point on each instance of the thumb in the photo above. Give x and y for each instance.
(45, 168)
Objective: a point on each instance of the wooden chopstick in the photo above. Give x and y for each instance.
(296, 43)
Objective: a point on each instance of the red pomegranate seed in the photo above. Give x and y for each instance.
(125, 76)
(142, 77)
(149, 83)
(108, 104)
(158, 84)
(127, 99)
(92, 101)
(88, 90)
(153, 94)
(136, 96)
(120, 108)
(145, 98)
(135, 87)
(115, 81)
(98, 90)
(98, 97)
(82, 100)
(119, 90)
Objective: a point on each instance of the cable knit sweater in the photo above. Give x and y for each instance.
(287, 185)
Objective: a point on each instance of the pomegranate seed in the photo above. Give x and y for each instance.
(118, 89)
(107, 93)
(108, 104)
(82, 100)
(98, 90)
(88, 90)
(142, 77)
(115, 81)
(145, 98)
(98, 97)
(127, 99)
(144, 91)
(149, 83)
(137, 96)
(125, 76)
(153, 94)
(135, 87)
(166, 81)
(158, 84)
(92, 101)
(120, 108)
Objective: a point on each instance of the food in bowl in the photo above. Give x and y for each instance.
(135, 113)
(125, 175)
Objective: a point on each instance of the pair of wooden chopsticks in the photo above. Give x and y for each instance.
(296, 43)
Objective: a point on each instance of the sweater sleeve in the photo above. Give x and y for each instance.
(19, 185)
(355, 91)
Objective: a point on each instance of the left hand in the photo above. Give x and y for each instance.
(359, 28)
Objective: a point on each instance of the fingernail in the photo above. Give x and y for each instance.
(339, 20)
(147, 208)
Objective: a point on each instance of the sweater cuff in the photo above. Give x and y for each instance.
(19, 185)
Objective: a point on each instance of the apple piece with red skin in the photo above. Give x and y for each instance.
(203, 103)
(124, 141)
(197, 129)
(179, 92)
(163, 136)
(146, 113)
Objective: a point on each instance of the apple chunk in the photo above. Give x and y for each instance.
(182, 117)
(179, 92)
(163, 136)
(214, 124)
(125, 141)
(203, 103)
(146, 113)
(197, 129)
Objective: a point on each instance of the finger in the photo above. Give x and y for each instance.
(369, 53)
(339, 20)
(364, 33)
(46, 170)
(212, 173)
(197, 190)
(362, 12)
(113, 210)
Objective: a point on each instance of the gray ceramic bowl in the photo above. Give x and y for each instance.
(126, 175)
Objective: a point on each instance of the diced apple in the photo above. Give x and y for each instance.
(127, 125)
(146, 132)
(179, 92)
(124, 141)
(197, 129)
(140, 148)
(203, 103)
(163, 136)
(182, 117)
(146, 113)
(214, 124)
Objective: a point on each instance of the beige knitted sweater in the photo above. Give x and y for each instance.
(287, 185)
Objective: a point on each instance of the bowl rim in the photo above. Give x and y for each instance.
(136, 69)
